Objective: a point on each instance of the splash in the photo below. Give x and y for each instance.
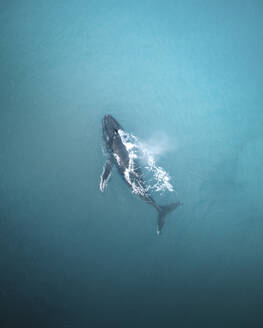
(156, 178)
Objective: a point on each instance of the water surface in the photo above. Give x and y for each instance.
(74, 257)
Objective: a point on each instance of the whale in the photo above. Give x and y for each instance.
(118, 155)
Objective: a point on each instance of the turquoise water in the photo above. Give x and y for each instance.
(190, 72)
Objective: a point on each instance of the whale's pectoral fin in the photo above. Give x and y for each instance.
(106, 173)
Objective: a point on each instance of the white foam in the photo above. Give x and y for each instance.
(159, 180)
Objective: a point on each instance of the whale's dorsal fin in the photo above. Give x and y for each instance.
(106, 173)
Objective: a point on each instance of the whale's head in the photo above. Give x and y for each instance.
(110, 129)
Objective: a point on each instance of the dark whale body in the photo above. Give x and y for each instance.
(128, 168)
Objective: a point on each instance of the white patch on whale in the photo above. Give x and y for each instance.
(103, 183)
(117, 158)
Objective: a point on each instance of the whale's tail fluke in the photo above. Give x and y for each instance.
(163, 211)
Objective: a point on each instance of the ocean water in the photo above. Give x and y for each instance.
(184, 77)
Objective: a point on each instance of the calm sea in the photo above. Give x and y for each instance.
(185, 75)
